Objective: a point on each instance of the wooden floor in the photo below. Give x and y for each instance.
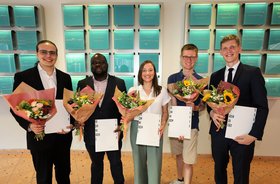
(16, 168)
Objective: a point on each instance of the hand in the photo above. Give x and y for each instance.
(161, 129)
(190, 104)
(245, 139)
(37, 129)
(181, 138)
(218, 119)
(68, 129)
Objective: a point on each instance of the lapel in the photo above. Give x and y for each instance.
(37, 79)
(238, 73)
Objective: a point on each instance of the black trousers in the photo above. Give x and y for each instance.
(97, 165)
(241, 156)
(44, 160)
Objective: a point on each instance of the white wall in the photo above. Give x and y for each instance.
(13, 137)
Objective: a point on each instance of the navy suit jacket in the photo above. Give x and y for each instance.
(32, 78)
(253, 93)
(108, 109)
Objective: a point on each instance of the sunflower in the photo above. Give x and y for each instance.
(206, 97)
(228, 97)
(187, 82)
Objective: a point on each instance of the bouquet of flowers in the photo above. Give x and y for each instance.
(129, 105)
(189, 89)
(222, 99)
(81, 105)
(34, 106)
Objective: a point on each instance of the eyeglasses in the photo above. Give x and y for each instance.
(45, 52)
(189, 57)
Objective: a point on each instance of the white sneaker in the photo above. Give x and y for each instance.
(176, 182)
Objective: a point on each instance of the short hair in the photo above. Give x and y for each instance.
(46, 41)
(189, 46)
(229, 38)
(98, 57)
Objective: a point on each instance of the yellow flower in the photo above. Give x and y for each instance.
(187, 82)
(84, 97)
(206, 97)
(228, 97)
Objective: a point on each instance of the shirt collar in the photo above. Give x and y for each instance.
(234, 66)
(41, 70)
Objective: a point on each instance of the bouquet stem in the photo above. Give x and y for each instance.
(39, 136)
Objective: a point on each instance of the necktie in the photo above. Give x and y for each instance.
(229, 79)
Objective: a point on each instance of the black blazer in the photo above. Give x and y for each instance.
(253, 93)
(108, 109)
(32, 77)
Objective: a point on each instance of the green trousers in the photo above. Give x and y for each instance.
(147, 159)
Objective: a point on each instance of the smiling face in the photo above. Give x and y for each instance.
(47, 55)
(148, 73)
(230, 51)
(99, 66)
(188, 59)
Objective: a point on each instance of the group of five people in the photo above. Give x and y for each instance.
(54, 149)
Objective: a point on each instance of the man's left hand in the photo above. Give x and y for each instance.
(245, 139)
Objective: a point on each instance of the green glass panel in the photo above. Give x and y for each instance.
(124, 63)
(149, 39)
(227, 14)
(4, 16)
(200, 14)
(201, 65)
(27, 61)
(99, 39)
(6, 41)
(273, 87)
(154, 57)
(123, 15)
(220, 34)
(219, 62)
(251, 59)
(75, 80)
(24, 16)
(26, 40)
(76, 62)
(98, 15)
(200, 37)
(124, 39)
(74, 39)
(149, 14)
(129, 81)
(7, 63)
(73, 15)
(252, 39)
(272, 64)
(275, 17)
(6, 86)
(255, 13)
(274, 39)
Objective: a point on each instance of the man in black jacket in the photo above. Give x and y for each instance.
(54, 149)
(103, 83)
(253, 93)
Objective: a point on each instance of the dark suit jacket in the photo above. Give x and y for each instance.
(108, 109)
(252, 94)
(32, 78)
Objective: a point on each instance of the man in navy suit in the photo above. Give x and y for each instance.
(103, 83)
(253, 93)
(54, 149)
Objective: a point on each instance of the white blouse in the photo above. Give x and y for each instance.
(162, 99)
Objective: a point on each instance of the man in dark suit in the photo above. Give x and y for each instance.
(104, 83)
(253, 93)
(54, 149)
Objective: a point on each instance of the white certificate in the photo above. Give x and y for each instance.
(148, 129)
(105, 137)
(180, 121)
(59, 121)
(240, 121)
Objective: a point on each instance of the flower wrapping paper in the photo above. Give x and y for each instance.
(128, 114)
